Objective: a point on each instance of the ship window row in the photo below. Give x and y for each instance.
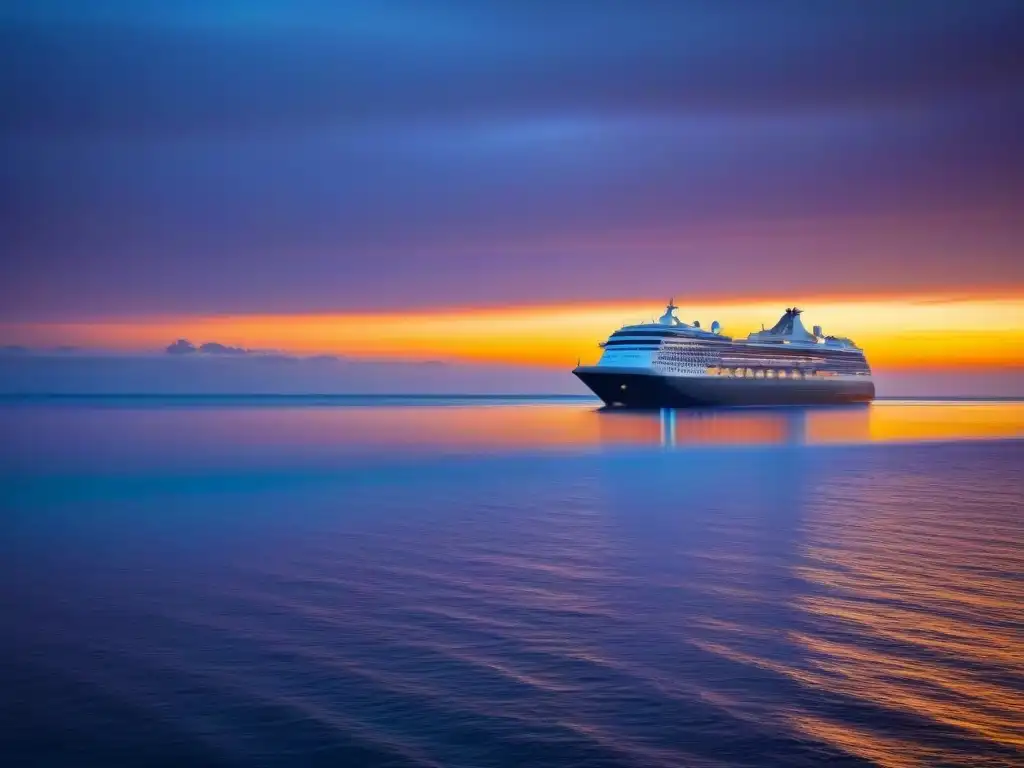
(646, 334)
(699, 359)
(787, 358)
(774, 373)
(835, 366)
(768, 361)
(690, 359)
(686, 357)
(753, 356)
(652, 344)
(670, 355)
(761, 373)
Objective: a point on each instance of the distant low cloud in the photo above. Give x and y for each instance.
(215, 348)
(186, 347)
(181, 347)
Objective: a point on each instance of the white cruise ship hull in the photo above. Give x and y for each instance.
(634, 387)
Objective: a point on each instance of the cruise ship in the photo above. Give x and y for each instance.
(672, 364)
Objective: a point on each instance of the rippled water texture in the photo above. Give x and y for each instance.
(510, 584)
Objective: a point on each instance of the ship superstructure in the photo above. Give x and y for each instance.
(669, 363)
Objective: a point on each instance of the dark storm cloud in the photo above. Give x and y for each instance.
(300, 157)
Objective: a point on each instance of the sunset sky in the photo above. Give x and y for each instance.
(509, 182)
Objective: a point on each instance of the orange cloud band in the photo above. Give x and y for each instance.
(909, 332)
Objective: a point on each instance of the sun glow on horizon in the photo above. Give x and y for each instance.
(911, 332)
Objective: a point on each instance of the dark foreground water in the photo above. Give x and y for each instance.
(361, 583)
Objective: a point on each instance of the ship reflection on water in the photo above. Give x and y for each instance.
(186, 432)
(685, 427)
(879, 422)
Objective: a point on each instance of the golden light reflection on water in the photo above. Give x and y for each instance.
(923, 605)
(882, 422)
(941, 421)
(582, 425)
(909, 612)
(566, 426)
(888, 752)
(905, 604)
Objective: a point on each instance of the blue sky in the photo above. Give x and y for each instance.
(296, 157)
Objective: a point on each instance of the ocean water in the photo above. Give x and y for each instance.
(488, 582)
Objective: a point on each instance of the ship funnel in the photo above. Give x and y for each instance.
(817, 331)
(669, 317)
(716, 327)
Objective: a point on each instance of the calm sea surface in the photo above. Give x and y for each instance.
(402, 582)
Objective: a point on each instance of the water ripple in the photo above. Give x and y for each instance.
(844, 606)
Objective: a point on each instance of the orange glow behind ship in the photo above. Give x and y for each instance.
(896, 332)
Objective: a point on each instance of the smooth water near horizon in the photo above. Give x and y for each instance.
(510, 583)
